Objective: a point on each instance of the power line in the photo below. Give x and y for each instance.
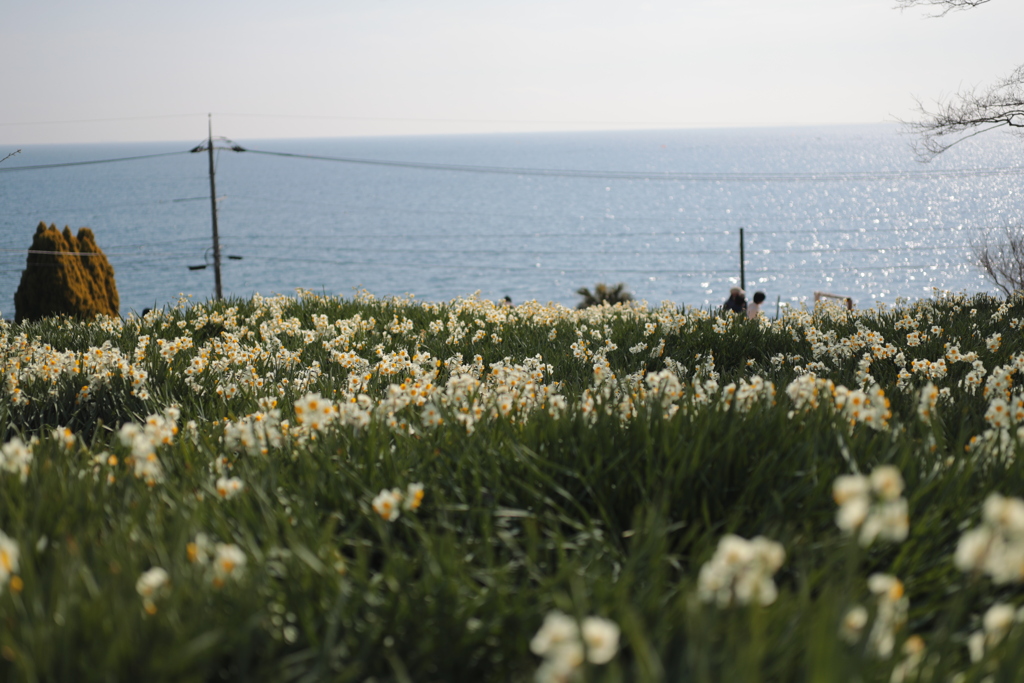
(520, 121)
(160, 254)
(600, 235)
(756, 224)
(676, 218)
(576, 173)
(89, 163)
(663, 176)
(123, 249)
(157, 244)
(65, 209)
(165, 256)
(115, 247)
(641, 252)
(630, 271)
(134, 250)
(386, 119)
(120, 118)
(549, 269)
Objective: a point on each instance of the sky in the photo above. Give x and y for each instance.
(144, 70)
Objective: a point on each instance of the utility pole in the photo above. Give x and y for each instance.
(218, 291)
(743, 272)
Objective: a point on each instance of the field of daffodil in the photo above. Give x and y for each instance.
(313, 488)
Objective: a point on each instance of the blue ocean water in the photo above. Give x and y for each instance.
(842, 209)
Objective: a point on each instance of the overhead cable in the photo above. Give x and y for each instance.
(88, 163)
(349, 208)
(115, 247)
(663, 176)
(120, 118)
(518, 121)
(641, 252)
(65, 209)
(579, 173)
(549, 269)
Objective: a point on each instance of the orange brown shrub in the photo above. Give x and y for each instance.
(66, 275)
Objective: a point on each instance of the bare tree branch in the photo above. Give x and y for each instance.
(966, 114)
(969, 113)
(1003, 261)
(946, 5)
(17, 151)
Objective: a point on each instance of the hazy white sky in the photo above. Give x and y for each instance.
(317, 68)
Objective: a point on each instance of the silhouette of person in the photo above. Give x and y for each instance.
(755, 308)
(737, 301)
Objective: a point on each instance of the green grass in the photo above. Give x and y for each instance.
(589, 513)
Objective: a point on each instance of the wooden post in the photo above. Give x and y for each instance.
(743, 272)
(213, 207)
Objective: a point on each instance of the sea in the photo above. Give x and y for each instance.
(845, 210)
